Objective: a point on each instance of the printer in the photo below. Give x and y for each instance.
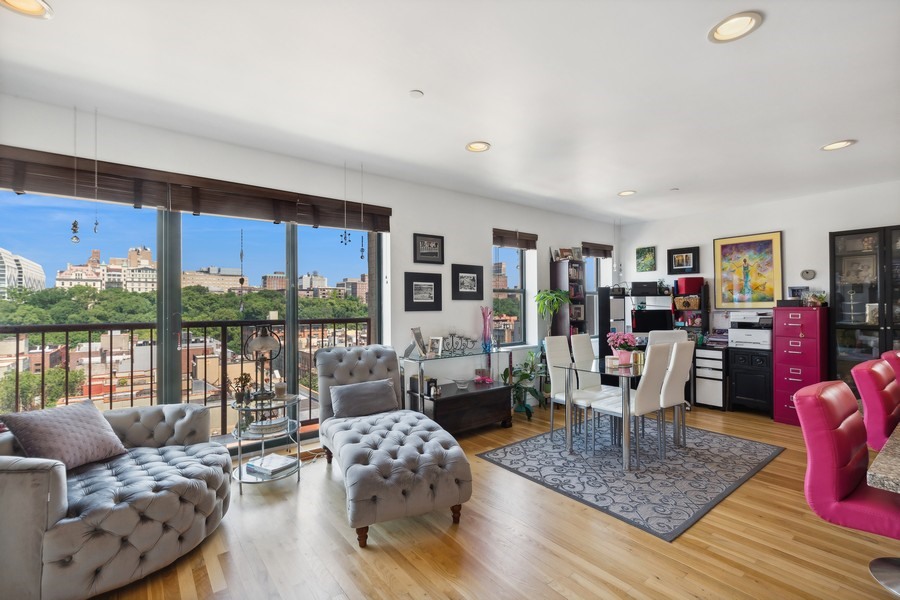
(750, 329)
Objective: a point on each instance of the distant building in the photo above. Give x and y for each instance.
(215, 279)
(136, 273)
(501, 281)
(17, 272)
(274, 281)
(356, 287)
(313, 280)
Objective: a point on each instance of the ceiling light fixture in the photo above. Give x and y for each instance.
(30, 8)
(838, 145)
(478, 146)
(627, 193)
(735, 27)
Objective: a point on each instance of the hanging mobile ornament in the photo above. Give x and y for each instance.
(75, 239)
(345, 237)
(362, 237)
(241, 280)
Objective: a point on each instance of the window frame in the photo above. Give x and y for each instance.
(520, 292)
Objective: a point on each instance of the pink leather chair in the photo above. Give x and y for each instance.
(837, 459)
(880, 394)
(893, 358)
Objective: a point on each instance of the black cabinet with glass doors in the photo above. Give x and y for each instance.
(865, 297)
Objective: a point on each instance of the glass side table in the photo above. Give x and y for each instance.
(266, 421)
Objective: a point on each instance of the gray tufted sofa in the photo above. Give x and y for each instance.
(105, 524)
(395, 464)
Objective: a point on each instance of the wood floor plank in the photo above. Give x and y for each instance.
(518, 539)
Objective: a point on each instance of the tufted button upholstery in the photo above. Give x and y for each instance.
(127, 516)
(395, 464)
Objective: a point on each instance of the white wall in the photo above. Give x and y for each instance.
(465, 221)
(805, 223)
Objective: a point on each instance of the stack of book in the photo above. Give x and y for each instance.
(270, 464)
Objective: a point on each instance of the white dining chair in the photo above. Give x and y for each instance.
(672, 394)
(583, 353)
(666, 336)
(556, 348)
(646, 398)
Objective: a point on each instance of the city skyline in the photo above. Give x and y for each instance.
(39, 229)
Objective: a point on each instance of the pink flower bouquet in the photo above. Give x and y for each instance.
(618, 340)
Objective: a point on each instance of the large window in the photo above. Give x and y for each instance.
(509, 295)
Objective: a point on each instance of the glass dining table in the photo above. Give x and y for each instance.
(625, 375)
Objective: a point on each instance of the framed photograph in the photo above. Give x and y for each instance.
(577, 253)
(422, 291)
(646, 259)
(747, 271)
(684, 261)
(435, 344)
(797, 292)
(467, 282)
(858, 269)
(419, 341)
(576, 312)
(565, 253)
(428, 248)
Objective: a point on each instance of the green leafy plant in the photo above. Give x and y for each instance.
(521, 379)
(549, 302)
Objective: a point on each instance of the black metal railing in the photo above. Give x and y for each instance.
(114, 364)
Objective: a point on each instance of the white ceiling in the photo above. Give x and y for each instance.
(580, 99)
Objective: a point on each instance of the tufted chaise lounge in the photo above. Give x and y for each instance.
(397, 463)
(100, 526)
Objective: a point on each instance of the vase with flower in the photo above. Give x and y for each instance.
(623, 344)
(487, 322)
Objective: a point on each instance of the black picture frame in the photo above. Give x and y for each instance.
(688, 260)
(422, 291)
(467, 282)
(428, 248)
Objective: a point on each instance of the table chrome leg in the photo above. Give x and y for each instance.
(569, 386)
(886, 571)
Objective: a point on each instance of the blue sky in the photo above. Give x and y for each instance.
(39, 229)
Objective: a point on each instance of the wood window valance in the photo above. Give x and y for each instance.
(591, 250)
(515, 239)
(33, 171)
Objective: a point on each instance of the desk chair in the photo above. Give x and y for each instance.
(880, 395)
(893, 358)
(837, 460)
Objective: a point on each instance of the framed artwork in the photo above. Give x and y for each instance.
(797, 292)
(422, 291)
(748, 271)
(646, 259)
(858, 269)
(565, 253)
(428, 248)
(467, 282)
(435, 344)
(684, 261)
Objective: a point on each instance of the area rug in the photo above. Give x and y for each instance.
(662, 497)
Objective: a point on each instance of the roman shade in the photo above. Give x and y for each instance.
(33, 171)
(515, 239)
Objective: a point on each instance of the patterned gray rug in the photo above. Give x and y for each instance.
(661, 497)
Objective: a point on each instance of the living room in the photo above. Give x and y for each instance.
(515, 538)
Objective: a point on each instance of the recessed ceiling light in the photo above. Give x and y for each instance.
(31, 8)
(478, 146)
(735, 27)
(416, 94)
(838, 145)
(627, 193)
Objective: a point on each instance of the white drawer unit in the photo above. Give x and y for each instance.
(710, 375)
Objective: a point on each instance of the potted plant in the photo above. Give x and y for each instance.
(623, 344)
(549, 302)
(521, 379)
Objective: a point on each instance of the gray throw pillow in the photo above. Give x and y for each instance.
(76, 434)
(366, 398)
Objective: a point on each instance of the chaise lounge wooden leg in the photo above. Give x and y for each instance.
(455, 509)
(328, 456)
(362, 534)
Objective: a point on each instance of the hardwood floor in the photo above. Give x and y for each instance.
(517, 539)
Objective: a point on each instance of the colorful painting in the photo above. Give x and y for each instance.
(748, 271)
(646, 259)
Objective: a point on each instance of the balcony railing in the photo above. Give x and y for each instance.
(114, 364)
